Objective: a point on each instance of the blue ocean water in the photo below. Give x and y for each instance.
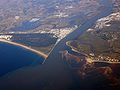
(13, 57)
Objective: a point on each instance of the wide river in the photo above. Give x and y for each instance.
(55, 73)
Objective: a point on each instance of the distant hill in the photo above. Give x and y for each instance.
(52, 13)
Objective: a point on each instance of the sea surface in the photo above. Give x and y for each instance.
(59, 74)
(14, 57)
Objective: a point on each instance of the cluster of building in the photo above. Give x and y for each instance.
(105, 59)
(103, 22)
(61, 14)
(6, 37)
(108, 59)
(61, 32)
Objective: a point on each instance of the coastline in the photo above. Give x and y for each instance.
(25, 47)
(94, 61)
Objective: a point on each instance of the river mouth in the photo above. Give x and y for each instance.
(14, 57)
(56, 73)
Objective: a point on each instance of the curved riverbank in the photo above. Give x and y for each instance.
(55, 74)
(25, 47)
(74, 49)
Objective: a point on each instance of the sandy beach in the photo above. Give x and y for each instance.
(25, 47)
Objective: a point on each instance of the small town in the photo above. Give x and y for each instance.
(6, 37)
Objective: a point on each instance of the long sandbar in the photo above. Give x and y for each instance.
(25, 47)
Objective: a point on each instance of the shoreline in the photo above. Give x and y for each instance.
(94, 61)
(25, 47)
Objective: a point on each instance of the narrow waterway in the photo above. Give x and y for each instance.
(54, 74)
